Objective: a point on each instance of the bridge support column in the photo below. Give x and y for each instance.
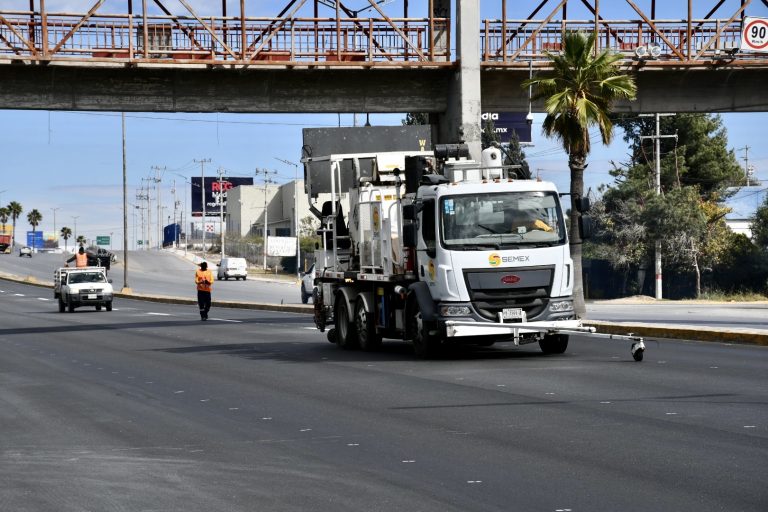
(461, 121)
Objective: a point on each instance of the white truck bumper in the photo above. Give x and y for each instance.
(458, 328)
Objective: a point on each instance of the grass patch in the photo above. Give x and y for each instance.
(733, 296)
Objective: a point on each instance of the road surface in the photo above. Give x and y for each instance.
(148, 408)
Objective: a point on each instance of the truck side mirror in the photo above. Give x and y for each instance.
(409, 235)
(409, 212)
(583, 205)
(586, 227)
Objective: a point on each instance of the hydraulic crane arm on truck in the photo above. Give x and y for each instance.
(436, 248)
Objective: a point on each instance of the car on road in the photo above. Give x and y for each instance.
(25, 251)
(308, 285)
(75, 287)
(232, 267)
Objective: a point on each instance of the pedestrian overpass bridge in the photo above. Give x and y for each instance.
(323, 56)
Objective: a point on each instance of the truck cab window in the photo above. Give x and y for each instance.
(428, 226)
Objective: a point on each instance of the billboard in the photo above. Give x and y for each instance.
(215, 194)
(281, 246)
(35, 239)
(504, 123)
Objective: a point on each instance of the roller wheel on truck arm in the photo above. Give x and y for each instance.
(554, 343)
(367, 336)
(346, 333)
(425, 345)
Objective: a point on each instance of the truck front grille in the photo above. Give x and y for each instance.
(492, 290)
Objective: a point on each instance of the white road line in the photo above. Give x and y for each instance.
(18, 294)
(42, 298)
(226, 320)
(158, 314)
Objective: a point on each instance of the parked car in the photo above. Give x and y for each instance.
(232, 267)
(308, 285)
(25, 251)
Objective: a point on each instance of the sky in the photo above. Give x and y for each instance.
(72, 161)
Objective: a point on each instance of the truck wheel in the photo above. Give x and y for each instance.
(71, 307)
(304, 295)
(425, 346)
(62, 306)
(554, 343)
(346, 337)
(98, 308)
(109, 306)
(367, 336)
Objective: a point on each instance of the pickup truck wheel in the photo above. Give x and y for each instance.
(425, 345)
(98, 308)
(367, 336)
(346, 337)
(71, 307)
(62, 306)
(109, 306)
(554, 343)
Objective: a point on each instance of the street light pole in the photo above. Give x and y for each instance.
(267, 181)
(296, 212)
(74, 218)
(56, 236)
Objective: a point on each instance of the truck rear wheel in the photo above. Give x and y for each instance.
(554, 343)
(62, 306)
(109, 306)
(425, 345)
(367, 336)
(346, 337)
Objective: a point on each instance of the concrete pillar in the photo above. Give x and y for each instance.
(461, 121)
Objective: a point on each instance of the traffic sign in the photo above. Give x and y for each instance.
(102, 240)
(754, 37)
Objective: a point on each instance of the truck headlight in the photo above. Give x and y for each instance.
(561, 306)
(455, 311)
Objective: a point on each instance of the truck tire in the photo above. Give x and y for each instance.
(98, 308)
(346, 335)
(554, 343)
(109, 306)
(62, 306)
(425, 345)
(368, 338)
(71, 307)
(304, 295)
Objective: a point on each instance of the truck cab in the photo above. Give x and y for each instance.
(88, 286)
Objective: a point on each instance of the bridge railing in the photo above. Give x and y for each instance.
(405, 41)
(518, 42)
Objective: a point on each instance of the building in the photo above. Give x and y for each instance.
(744, 204)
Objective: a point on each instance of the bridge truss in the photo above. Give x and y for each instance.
(314, 33)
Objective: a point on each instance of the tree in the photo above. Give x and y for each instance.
(415, 118)
(15, 210)
(65, 234)
(760, 226)
(80, 240)
(578, 96)
(34, 218)
(4, 214)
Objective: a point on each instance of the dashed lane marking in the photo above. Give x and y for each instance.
(158, 314)
(42, 298)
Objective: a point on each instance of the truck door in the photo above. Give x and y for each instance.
(434, 265)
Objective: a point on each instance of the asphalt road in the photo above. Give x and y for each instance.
(164, 273)
(148, 408)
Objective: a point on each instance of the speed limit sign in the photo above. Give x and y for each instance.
(754, 37)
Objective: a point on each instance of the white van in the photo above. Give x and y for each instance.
(232, 267)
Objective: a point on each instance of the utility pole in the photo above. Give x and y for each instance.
(126, 286)
(74, 219)
(54, 224)
(202, 194)
(158, 179)
(141, 196)
(657, 138)
(267, 181)
(148, 197)
(296, 212)
(221, 172)
(746, 163)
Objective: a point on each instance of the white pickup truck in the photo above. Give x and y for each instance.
(75, 287)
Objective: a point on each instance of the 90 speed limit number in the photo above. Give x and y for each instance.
(754, 37)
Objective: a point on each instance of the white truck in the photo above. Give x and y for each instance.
(76, 287)
(438, 249)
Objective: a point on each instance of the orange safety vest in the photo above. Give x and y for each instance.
(81, 260)
(203, 275)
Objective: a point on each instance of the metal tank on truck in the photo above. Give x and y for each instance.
(435, 248)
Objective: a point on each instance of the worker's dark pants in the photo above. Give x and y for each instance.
(204, 302)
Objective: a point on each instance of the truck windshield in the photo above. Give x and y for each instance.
(87, 277)
(503, 220)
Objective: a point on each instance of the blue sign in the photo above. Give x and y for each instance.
(35, 239)
(504, 123)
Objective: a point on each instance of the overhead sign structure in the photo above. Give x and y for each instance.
(215, 194)
(754, 36)
(506, 123)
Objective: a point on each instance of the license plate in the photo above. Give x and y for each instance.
(92, 296)
(512, 313)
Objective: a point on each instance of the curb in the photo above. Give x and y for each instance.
(677, 332)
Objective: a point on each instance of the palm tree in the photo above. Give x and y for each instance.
(80, 239)
(34, 218)
(579, 95)
(65, 234)
(15, 210)
(4, 214)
